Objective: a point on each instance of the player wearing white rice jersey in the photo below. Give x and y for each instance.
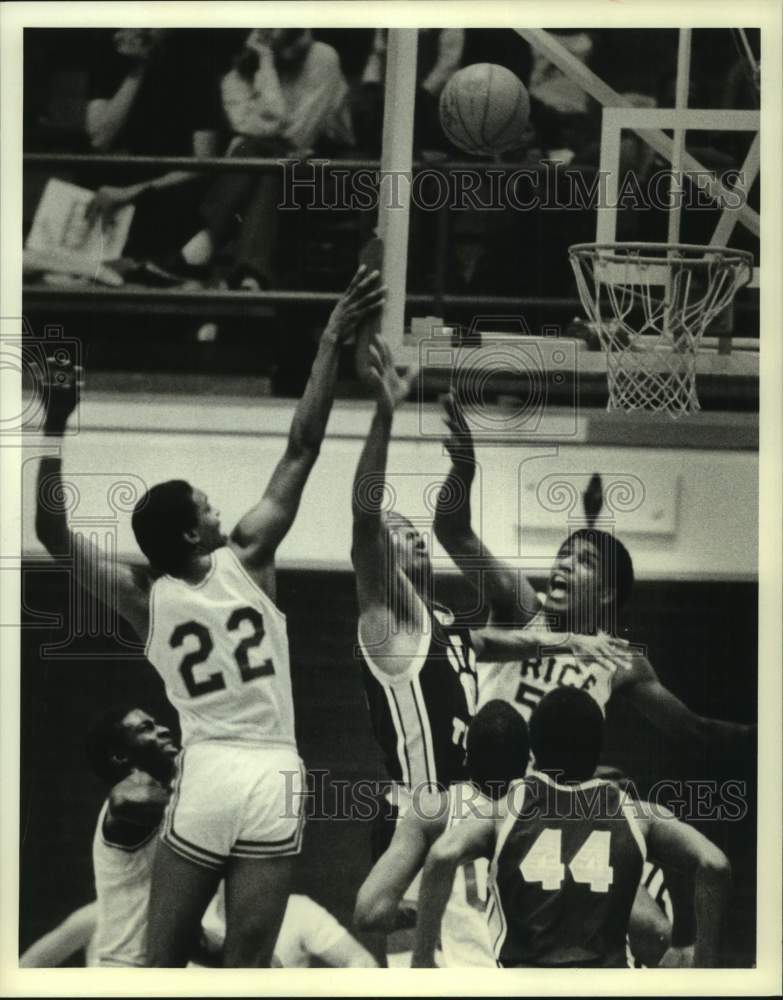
(524, 682)
(590, 581)
(228, 671)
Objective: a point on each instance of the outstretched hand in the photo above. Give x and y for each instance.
(602, 648)
(458, 442)
(62, 383)
(390, 386)
(364, 297)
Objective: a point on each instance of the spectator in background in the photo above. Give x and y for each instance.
(560, 108)
(287, 85)
(501, 46)
(156, 94)
(439, 55)
(285, 96)
(152, 98)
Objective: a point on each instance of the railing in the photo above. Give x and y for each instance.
(183, 301)
(175, 300)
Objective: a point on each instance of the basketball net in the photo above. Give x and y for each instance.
(651, 303)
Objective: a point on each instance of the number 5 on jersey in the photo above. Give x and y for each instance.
(590, 865)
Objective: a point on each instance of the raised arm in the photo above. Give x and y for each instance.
(511, 598)
(677, 845)
(259, 533)
(262, 112)
(122, 587)
(383, 889)
(669, 714)
(109, 198)
(391, 614)
(106, 117)
(499, 645)
(473, 838)
(139, 800)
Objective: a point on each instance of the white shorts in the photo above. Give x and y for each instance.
(235, 801)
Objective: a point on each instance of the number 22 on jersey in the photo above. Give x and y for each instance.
(590, 865)
(239, 620)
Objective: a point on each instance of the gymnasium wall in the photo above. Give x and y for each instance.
(685, 506)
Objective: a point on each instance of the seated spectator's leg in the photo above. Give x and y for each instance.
(163, 220)
(230, 192)
(257, 244)
(367, 114)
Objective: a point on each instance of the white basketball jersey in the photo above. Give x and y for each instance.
(464, 934)
(122, 888)
(523, 683)
(221, 647)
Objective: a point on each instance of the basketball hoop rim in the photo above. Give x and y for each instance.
(657, 254)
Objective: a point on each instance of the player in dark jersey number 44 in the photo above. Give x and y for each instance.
(568, 854)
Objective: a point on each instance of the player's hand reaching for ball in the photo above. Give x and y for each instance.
(62, 383)
(363, 298)
(459, 442)
(390, 386)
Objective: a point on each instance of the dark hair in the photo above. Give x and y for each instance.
(106, 738)
(159, 521)
(290, 35)
(607, 772)
(567, 733)
(498, 746)
(246, 64)
(395, 515)
(615, 562)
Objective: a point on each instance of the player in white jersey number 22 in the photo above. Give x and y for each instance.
(205, 609)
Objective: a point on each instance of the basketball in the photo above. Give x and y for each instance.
(484, 108)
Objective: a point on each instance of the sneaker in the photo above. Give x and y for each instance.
(248, 279)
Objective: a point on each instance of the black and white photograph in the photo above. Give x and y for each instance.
(391, 553)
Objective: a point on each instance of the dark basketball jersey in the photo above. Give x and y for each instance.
(564, 876)
(420, 718)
